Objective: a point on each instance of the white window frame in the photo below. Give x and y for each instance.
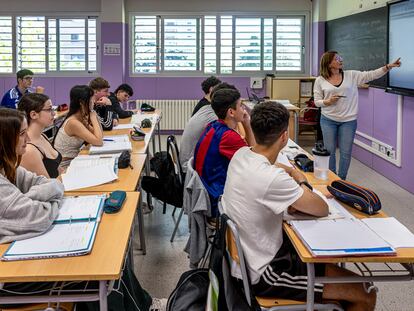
(306, 50)
(73, 73)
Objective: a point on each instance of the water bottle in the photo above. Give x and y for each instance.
(321, 161)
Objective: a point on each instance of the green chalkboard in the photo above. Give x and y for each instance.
(361, 39)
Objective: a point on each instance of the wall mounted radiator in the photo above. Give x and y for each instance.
(175, 112)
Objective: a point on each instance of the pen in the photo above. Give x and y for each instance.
(106, 139)
(343, 96)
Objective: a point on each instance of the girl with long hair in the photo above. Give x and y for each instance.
(28, 203)
(80, 126)
(40, 156)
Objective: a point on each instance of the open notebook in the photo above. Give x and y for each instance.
(89, 171)
(112, 144)
(340, 237)
(72, 234)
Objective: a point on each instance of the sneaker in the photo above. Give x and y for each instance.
(158, 304)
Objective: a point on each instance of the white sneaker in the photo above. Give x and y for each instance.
(158, 304)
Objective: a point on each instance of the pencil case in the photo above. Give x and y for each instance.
(361, 198)
(114, 202)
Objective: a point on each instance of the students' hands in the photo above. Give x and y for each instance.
(103, 101)
(331, 100)
(246, 119)
(40, 89)
(396, 63)
(115, 122)
(291, 210)
(298, 176)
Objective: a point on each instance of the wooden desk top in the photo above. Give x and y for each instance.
(404, 255)
(127, 178)
(103, 263)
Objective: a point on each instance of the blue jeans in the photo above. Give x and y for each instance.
(339, 134)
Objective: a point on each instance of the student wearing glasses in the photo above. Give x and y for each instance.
(336, 92)
(40, 156)
(24, 84)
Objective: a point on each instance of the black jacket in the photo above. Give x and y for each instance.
(116, 107)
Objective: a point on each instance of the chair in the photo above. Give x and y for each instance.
(64, 306)
(172, 149)
(238, 262)
(310, 121)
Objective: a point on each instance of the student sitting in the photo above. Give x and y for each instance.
(220, 141)
(40, 156)
(121, 95)
(103, 105)
(256, 194)
(207, 87)
(195, 127)
(28, 203)
(28, 206)
(24, 83)
(80, 125)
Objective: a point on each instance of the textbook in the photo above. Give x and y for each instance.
(340, 237)
(72, 234)
(112, 144)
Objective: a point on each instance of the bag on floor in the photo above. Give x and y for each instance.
(362, 199)
(190, 294)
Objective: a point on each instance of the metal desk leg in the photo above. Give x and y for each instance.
(310, 294)
(148, 173)
(141, 227)
(153, 143)
(159, 135)
(296, 126)
(103, 299)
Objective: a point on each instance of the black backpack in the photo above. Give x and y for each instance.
(190, 294)
(166, 187)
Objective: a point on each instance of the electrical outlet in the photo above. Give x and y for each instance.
(382, 149)
(256, 83)
(375, 145)
(391, 154)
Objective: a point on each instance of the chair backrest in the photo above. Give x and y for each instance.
(235, 252)
(172, 149)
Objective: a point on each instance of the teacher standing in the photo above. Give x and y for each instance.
(336, 92)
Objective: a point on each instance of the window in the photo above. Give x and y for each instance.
(47, 44)
(218, 44)
(6, 44)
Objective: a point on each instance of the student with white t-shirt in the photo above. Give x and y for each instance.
(256, 194)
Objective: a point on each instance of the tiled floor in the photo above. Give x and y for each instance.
(160, 269)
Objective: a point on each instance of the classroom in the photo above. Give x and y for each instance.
(214, 155)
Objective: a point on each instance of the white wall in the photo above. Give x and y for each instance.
(217, 5)
(45, 6)
(339, 8)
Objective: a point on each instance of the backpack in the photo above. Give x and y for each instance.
(166, 186)
(227, 291)
(311, 114)
(190, 294)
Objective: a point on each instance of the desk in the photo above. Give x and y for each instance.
(405, 257)
(103, 264)
(128, 180)
(293, 112)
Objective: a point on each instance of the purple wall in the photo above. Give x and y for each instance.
(318, 46)
(378, 118)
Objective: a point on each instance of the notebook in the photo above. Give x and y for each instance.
(112, 144)
(81, 208)
(66, 237)
(340, 237)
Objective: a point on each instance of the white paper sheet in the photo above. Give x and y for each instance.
(124, 126)
(80, 208)
(112, 144)
(88, 177)
(391, 230)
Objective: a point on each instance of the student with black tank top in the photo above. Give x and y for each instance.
(40, 157)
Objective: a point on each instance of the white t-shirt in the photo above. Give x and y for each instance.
(346, 108)
(255, 196)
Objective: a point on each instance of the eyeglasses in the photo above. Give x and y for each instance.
(339, 58)
(48, 110)
(28, 78)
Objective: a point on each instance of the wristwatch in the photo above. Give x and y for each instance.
(305, 182)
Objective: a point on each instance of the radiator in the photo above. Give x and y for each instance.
(175, 112)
